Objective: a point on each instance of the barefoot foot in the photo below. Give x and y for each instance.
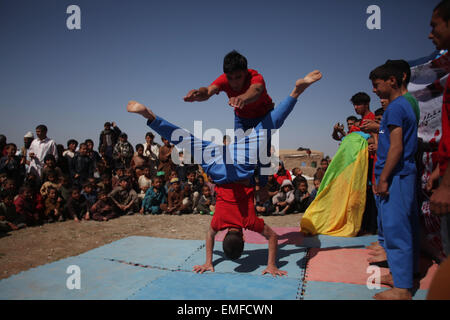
(394, 294)
(136, 107)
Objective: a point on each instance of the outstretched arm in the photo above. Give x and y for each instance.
(208, 266)
(251, 95)
(201, 94)
(273, 244)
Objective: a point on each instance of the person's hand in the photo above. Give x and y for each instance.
(236, 102)
(382, 189)
(440, 201)
(192, 95)
(274, 271)
(203, 268)
(370, 126)
(434, 177)
(141, 211)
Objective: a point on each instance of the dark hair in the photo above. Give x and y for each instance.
(360, 98)
(72, 141)
(149, 134)
(234, 61)
(443, 10)
(10, 145)
(89, 140)
(385, 71)
(75, 188)
(42, 127)
(233, 245)
(379, 112)
(352, 118)
(139, 145)
(49, 157)
(403, 66)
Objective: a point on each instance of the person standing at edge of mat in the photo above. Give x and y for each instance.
(395, 172)
(235, 194)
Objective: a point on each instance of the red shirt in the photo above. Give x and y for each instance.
(256, 109)
(235, 208)
(280, 179)
(369, 116)
(444, 143)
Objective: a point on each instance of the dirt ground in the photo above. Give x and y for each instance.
(34, 246)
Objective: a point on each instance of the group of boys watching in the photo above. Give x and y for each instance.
(44, 182)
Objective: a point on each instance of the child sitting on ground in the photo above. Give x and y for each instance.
(207, 202)
(155, 197)
(144, 182)
(105, 183)
(9, 219)
(176, 205)
(89, 193)
(53, 206)
(102, 210)
(313, 194)
(124, 198)
(284, 199)
(263, 200)
(77, 206)
(28, 206)
(302, 197)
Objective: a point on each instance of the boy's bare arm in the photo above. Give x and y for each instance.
(251, 95)
(273, 244)
(393, 157)
(201, 94)
(208, 266)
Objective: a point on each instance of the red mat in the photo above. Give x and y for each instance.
(348, 266)
(286, 235)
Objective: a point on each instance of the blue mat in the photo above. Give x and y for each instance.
(215, 286)
(317, 290)
(153, 268)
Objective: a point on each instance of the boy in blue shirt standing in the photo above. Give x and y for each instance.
(395, 173)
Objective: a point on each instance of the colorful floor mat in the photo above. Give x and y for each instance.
(146, 268)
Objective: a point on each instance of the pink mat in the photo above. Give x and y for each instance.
(347, 266)
(286, 235)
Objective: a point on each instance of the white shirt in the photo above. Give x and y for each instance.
(41, 148)
(153, 153)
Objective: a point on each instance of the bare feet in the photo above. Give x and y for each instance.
(378, 258)
(303, 83)
(136, 107)
(394, 294)
(387, 280)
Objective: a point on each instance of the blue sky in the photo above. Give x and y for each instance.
(156, 51)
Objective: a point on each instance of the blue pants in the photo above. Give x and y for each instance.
(399, 222)
(238, 160)
(245, 124)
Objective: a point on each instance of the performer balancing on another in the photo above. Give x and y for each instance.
(246, 90)
(234, 191)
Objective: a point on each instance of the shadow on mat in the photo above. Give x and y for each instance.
(251, 260)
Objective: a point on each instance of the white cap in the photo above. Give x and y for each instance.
(29, 135)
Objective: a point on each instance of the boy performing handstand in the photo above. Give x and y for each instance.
(234, 192)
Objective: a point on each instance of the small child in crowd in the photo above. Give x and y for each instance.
(9, 219)
(206, 204)
(124, 198)
(90, 193)
(302, 197)
(77, 206)
(175, 198)
(155, 198)
(53, 206)
(284, 199)
(103, 209)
